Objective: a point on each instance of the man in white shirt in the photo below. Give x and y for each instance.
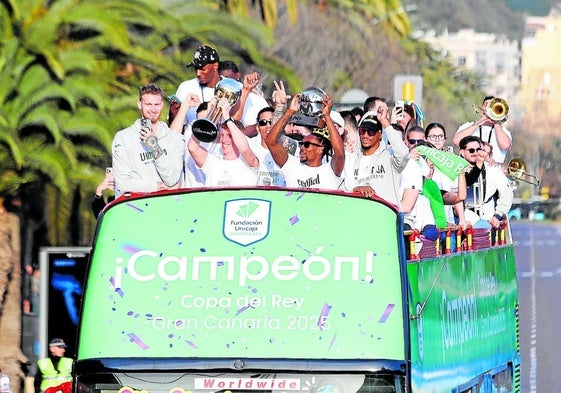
(492, 197)
(489, 131)
(375, 170)
(237, 165)
(310, 171)
(205, 62)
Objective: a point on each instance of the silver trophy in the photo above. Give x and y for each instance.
(311, 104)
(311, 101)
(206, 129)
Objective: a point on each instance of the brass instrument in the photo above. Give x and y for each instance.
(206, 130)
(516, 170)
(496, 110)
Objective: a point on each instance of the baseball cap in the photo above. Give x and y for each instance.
(370, 122)
(337, 118)
(57, 342)
(204, 55)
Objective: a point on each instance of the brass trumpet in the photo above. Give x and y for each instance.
(516, 169)
(496, 110)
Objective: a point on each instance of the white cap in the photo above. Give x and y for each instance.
(337, 118)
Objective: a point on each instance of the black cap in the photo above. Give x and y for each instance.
(57, 342)
(370, 122)
(204, 55)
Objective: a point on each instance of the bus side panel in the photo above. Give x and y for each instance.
(463, 324)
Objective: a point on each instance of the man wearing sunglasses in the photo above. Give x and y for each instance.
(490, 195)
(269, 172)
(375, 170)
(324, 143)
(493, 132)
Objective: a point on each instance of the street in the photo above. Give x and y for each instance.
(537, 248)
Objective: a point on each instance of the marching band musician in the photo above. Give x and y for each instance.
(489, 131)
(490, 196)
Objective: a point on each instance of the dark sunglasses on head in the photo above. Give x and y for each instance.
(264, 122)
(307, 144)
(363, 131)
(472, 150)
(415, 141)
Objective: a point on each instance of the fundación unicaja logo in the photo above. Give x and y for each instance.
(246, 221)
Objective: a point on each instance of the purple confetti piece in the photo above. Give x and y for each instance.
(289, 193)
(134, 338)
(191, 344)
(294, 219)
(386, 313)
(243, 309)
(135, 207)
(332, 341)
(118, 290)
(323, 315)
(131, 249)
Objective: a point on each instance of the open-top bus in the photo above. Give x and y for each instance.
(277, 290)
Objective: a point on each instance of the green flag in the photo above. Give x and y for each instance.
(448, 163)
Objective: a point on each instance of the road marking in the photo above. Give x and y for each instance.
(534, 323)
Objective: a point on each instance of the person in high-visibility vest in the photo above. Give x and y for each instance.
(55, 369)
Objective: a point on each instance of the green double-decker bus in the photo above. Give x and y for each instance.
(282, 291)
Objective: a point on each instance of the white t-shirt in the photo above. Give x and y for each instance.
(487, 134)
(300, 175)
(226, 173)
(269, 173)
(204, 93)
(421, 213)
(253, 104)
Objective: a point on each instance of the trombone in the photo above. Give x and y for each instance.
(516, 170)
(496, 110)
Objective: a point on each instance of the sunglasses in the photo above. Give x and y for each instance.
(264, 122)
(438, 137)
(415, 141)
(472, 150)
(307, 144)
(363, 131)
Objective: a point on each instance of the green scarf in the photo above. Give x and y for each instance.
(432, 192)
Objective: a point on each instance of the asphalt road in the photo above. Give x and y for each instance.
(538, 258)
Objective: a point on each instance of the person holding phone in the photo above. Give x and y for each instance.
(148, 156)
(108, 184)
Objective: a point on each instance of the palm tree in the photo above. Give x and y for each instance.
(390, 13)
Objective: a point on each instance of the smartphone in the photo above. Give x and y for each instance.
(145, 124)
(398, 109)
(108, 171)
(173, 98)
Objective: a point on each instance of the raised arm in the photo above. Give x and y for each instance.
(338, 159)
(468, 130)
(198, 153)
(238, 137)
(249, 82)
(278, 152)
(192, 101)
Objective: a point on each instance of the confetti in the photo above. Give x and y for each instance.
(386, 313)
(135, 339)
